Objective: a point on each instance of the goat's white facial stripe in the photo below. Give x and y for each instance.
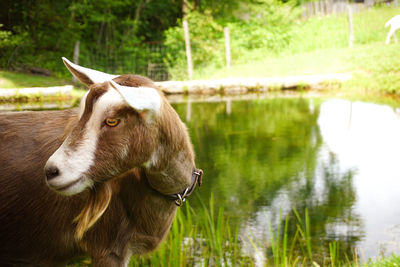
(73, 164)
(107, 101)
(140, 98)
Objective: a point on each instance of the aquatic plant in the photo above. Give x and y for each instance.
(204, 237)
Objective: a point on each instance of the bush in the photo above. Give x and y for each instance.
(5, 37)
(8, 42)
(268, 26)
(265, 26)
(206, 40)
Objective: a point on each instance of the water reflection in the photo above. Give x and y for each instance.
(370, 142)
(336, 158)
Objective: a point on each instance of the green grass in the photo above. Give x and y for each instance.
(10, 79)
(306, 63)
(375, 68)
(320, 46)
(384, 262)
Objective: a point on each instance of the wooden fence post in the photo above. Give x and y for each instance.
(76, 58)
(227, 48)
(351, 33)
(188, 52)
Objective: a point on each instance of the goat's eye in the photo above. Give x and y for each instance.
(112, 122)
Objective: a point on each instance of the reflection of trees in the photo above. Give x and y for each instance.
(329, 207)
(251, 153)
(265, 147)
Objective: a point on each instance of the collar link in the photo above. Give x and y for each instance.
(180, 198)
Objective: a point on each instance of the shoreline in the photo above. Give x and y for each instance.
(227, 86)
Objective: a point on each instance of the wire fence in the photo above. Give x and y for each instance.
(328, 7)
(146, 60)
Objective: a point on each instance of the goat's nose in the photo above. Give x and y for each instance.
(51, 172)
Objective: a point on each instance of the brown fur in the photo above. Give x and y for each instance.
(121, 215)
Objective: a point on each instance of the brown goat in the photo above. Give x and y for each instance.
(113, 170)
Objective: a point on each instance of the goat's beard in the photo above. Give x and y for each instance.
(97, 203)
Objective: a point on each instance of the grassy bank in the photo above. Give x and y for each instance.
(10, 79)
(320, 45)
(374, 67)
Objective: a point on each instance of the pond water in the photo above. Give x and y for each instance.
(335, 158)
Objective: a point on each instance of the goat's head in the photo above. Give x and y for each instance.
(124, 122)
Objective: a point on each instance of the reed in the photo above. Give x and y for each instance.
(204, 237)
(201, 238)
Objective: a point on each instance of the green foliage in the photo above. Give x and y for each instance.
(265, 25)
(267, 39)
(8, 40)
(107, 30)
(268, 26)
(105, 24)
(206, 40)
(320, 46)
(5, 38)
(314, 34)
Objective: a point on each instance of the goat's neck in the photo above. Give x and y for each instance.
(145, 215)
(174, 177)
(169, 170)
(142, 201)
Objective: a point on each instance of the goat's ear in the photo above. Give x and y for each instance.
(87, 76)
(139, 98)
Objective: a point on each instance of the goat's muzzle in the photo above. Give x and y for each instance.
(63, 183)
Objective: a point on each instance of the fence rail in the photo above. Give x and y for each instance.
(328, 7)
